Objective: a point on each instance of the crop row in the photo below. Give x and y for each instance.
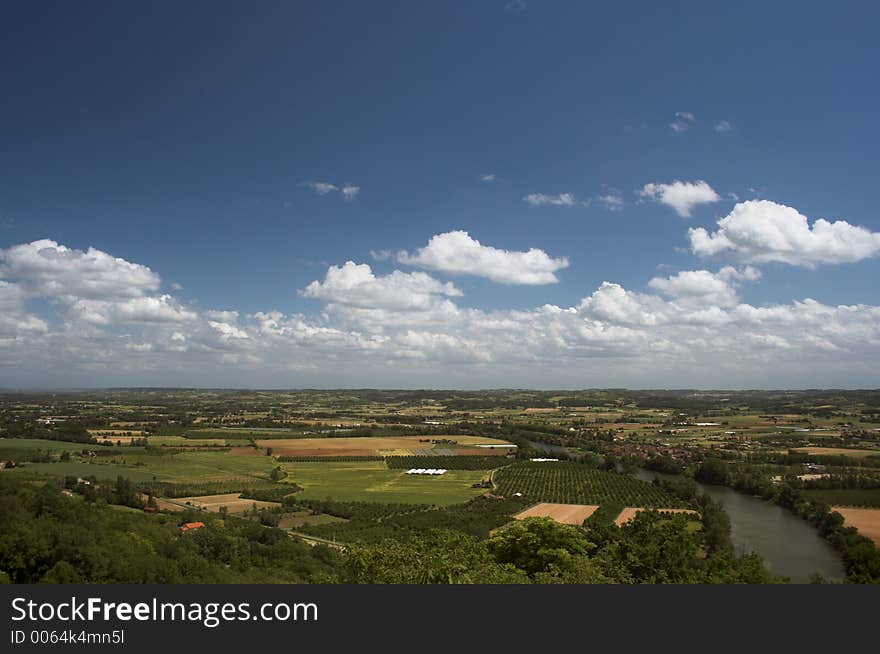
(574, 483)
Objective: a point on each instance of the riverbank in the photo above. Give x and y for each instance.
(789, 546)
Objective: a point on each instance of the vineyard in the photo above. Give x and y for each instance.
(447, 462)
(573, 483)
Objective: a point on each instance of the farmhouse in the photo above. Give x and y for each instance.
(426, 471)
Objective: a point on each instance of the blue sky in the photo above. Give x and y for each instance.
(191, 139)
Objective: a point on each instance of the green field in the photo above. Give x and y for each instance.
(180, 441)
(179, 467)
(198, 466)
(372, 481)
(10, 444)
(105, 471)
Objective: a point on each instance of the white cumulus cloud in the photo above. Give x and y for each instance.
(457, 252)
(706, 287)
(761, 231)
(147, 309)
(681, 196)
(406, 329)
(45, 268)
(355, 285)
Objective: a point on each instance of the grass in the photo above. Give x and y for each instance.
(102, 471)
(187, 442)
(180, 467)
(199, 466)
(11, 444)
(372, 481)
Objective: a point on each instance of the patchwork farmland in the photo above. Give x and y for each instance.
(333, 465)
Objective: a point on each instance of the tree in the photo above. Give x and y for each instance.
(538, 545)
(712, 471)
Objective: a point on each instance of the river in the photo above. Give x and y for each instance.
(789, 545)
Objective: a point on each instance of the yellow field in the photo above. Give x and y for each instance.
(569, 514)
(837, 451)
(867, 521)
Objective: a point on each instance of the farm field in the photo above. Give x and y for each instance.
(366, 445)
(233, 502)
(837, 451)
(99, 470)
(238, 433)
(630, 512)
(180, 441)
(12, 444)
(372, 481)
(867, 521)
(200, 466)
(570, 483)
(297, 519)
(570, 514)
